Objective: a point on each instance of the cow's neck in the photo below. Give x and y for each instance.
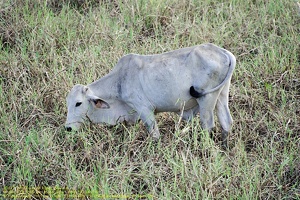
(105, 87)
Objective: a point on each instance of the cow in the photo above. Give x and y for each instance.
(188, 81)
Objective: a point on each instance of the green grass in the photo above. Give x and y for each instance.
(47, 47)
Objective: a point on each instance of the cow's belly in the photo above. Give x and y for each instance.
(170, 105)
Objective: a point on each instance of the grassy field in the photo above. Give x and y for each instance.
(48, 46)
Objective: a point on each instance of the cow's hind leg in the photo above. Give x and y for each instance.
(223, 114)
(188, 115)
(207, 105)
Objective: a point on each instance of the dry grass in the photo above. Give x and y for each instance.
(46, 48)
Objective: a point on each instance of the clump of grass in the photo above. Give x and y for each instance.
(46, 48)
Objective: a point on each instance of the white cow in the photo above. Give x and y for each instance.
(192, 80)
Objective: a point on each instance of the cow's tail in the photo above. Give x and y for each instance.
(232, 61)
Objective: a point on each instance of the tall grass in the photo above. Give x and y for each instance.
(48, 46)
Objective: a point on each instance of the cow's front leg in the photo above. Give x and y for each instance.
(153, 130)
(148, 119)
(146, 114)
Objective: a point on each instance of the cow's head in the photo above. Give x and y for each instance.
(80, 101)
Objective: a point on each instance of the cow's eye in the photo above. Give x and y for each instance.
(78, 104)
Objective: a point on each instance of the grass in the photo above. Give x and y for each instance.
(48, 46)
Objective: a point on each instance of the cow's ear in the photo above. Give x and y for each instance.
(99, 103)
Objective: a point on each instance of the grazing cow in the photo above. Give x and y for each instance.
(188, 81)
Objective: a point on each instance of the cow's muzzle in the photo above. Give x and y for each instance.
(72, 126)
(69, 129)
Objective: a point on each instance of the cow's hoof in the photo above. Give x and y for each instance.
(155, 136)
(155, 139)
(225, 146)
